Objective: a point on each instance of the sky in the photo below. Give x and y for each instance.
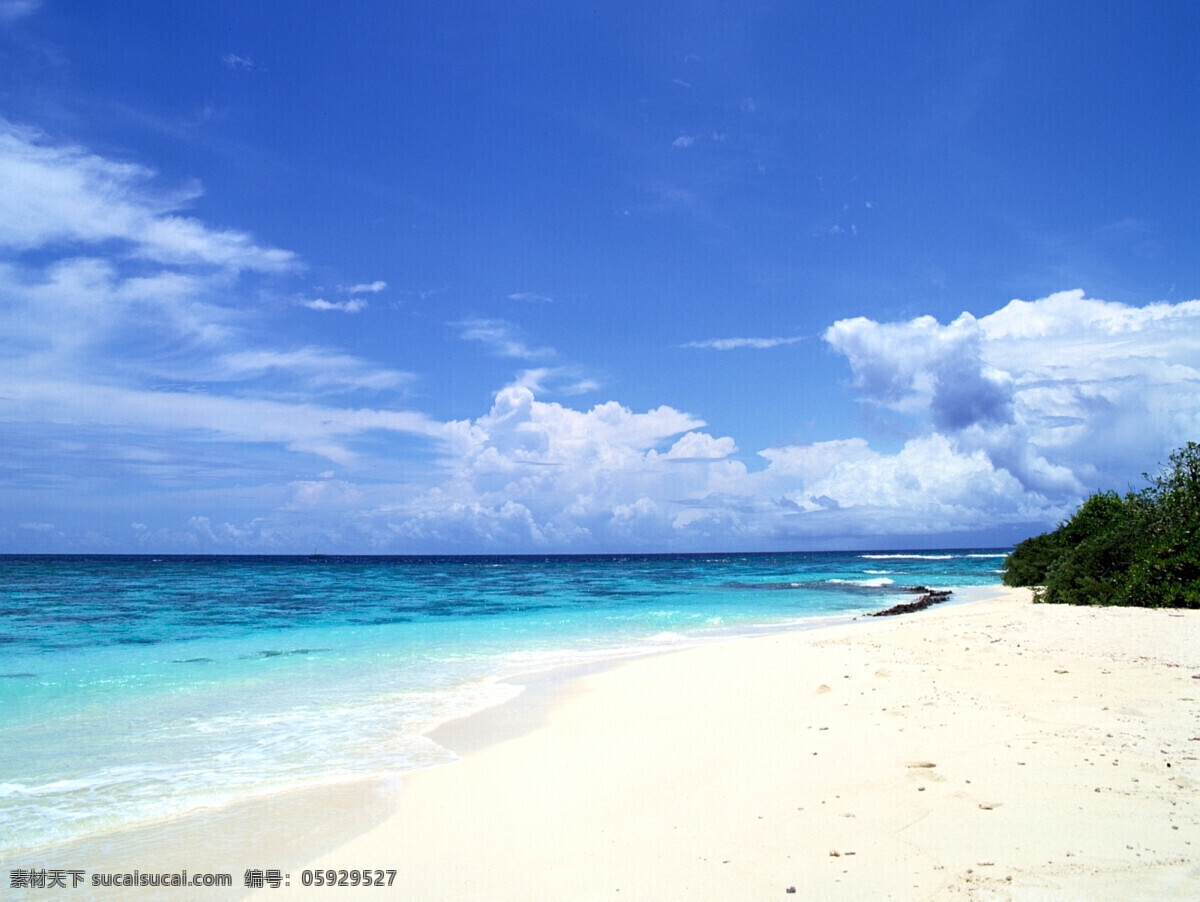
(543, 277)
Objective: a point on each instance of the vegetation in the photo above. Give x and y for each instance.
(1141, 549)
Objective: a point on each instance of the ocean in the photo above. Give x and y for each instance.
(137, 688)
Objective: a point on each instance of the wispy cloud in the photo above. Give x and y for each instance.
(11, 10)
(501, 338)
(235, 61)
(135, 347)
(683, 141)
(56, 193)
(530, 297)
(732, 344)
(315, 368)
(563, 380)
(353, 306)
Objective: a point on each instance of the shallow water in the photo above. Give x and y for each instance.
(138, 688)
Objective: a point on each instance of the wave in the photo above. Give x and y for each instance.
(877, 583)
(909, 557)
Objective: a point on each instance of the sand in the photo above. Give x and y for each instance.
(990, 750)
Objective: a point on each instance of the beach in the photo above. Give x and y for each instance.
(990, 750)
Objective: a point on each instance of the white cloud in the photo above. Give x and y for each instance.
(304, 427)
(1065, 392)
(530, 297)
(10, 10)
(234, 61)
(59, 194)
(500, 337)
(133, 341)
(318, 369)
(563, 380)
(730, 344)
(323, 305)
(683, 141)
(700, 446)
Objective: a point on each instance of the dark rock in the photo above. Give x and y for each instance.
(931, 597)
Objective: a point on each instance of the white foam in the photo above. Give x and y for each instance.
(878, 583)
(908, 557)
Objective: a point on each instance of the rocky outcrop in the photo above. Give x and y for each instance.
(931, 597)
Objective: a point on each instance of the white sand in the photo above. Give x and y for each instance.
(991, 750)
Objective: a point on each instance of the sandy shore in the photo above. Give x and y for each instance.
(991, 750)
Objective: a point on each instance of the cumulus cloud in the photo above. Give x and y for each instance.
(924, 364)
(1065, 392)
(580, 477)
(700, 446)
(134, 348)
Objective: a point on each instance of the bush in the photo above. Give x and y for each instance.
(1138, 550)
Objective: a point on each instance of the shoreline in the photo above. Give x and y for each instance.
(353, 805)
(543, 689)
(770, 752)
(991, 749)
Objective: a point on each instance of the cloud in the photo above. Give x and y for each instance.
(499, 336)
(11, 10)
(700, 446)
(577, 478)
(318, 369)
(925, 363)
(683, 141)
(234, 61)
(63, 195)
(201, 417)
(142, 374)
(530, 297)
(563, 380)
(1063, 392)
(321, 304)
(132, 329)
(730, 344)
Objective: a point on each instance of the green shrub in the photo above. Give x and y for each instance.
(1142, 549)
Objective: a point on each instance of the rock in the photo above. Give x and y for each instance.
(932, 597)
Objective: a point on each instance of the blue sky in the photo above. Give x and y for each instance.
(555, 277)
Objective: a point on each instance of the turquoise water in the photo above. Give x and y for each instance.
(135, 688)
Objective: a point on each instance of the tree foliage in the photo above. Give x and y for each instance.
(1141, 549)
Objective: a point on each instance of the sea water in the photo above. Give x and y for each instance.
(137, 688)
